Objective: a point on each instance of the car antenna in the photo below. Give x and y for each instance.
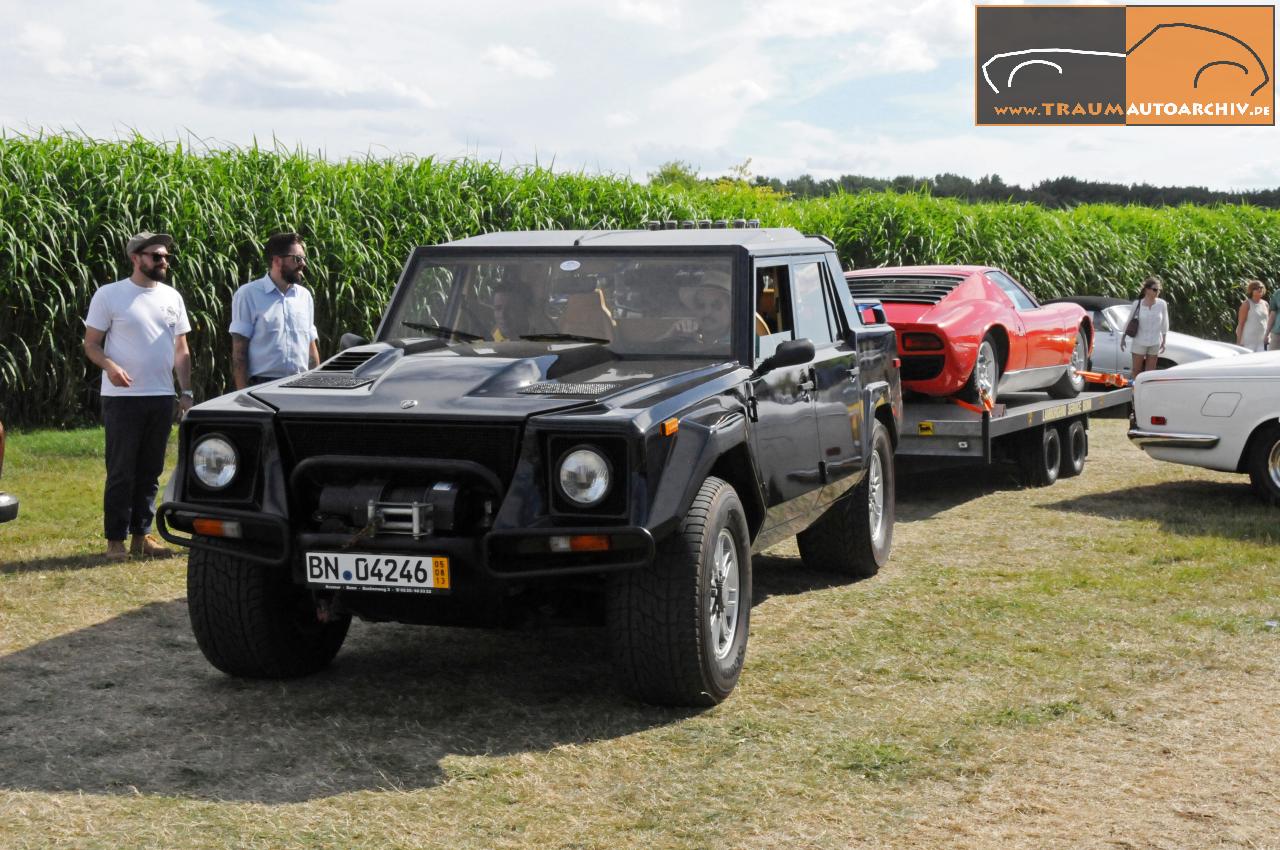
(592, 234)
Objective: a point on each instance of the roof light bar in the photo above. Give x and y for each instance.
(702, 224)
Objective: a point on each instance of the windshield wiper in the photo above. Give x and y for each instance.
(561, 337)
(462, 335)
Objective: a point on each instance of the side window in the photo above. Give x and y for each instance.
(809, 304)
(841, 299)
(773, 313)
(1021, 300)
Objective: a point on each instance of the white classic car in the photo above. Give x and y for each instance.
(1220, 414)
(1110, 315)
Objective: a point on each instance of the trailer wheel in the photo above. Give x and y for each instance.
(1074, 440)
(679, 627)
(253, 621)
(1041, 456)
(1264, 464)
(853, 538)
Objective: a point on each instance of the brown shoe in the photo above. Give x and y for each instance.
(148, 545)
(116, 550)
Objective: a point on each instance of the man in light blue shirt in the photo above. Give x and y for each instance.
(273, 331)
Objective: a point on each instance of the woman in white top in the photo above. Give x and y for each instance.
(1153, 326)
(1251, 326)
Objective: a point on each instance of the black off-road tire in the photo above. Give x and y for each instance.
(1264, 463)
(251, 620)
(850, 539)
(1041, 456)
(660, 617)
(1074, 439)
(1070, 384)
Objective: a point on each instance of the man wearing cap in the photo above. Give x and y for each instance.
(136, 333)
(273, 332)
(708, 299)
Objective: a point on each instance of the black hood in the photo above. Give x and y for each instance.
(510, 380)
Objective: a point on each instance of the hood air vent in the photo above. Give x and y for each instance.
(557, 388)
(347, 361)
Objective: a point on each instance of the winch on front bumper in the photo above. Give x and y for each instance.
(389, 489)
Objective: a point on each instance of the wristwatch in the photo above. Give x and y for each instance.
(188, 393)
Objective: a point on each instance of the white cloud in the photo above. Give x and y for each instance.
(827, 87)
(663, 13)
(621, 119)
(253, 71)
(520, 61)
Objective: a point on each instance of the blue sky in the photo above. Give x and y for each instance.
(826, 87)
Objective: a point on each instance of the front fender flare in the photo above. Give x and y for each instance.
(703, 439)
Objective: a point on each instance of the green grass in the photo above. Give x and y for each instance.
(1023, 653)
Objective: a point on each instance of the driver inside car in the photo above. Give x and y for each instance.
(707, 301)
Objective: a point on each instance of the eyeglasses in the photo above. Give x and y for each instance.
(714, 304)
(300, 259)
(157, 257)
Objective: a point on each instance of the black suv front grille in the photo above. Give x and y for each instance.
(496, 447)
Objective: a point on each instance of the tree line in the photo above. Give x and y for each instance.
(1058, 193)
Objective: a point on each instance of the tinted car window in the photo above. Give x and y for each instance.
(636, 305)
(809, 304)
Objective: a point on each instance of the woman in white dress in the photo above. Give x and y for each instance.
(1152, 314)
(1254, 316)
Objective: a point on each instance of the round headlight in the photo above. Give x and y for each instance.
(214, 461)
(584, 476)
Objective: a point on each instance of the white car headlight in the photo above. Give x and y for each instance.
(584, 476)
(215, 462)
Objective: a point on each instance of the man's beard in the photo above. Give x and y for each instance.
(291, 275)
(156, 273)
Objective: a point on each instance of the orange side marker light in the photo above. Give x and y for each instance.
(216, 528)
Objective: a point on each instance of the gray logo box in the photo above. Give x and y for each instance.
(1050, 65)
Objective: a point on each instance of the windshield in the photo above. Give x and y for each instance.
(1116, 316)
(635, 305)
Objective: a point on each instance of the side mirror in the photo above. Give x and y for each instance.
(793, 352)
(351, 341)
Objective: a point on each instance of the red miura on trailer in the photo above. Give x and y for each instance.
(963, 329)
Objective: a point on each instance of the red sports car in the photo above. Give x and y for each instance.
(966, 328)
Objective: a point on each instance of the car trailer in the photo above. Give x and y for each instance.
(1047, 438)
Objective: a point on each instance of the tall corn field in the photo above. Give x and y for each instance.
(68, 204)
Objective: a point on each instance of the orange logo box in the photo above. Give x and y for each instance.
(1135, 65)
(1200, 65)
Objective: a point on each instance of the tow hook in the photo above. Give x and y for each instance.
(330, 608)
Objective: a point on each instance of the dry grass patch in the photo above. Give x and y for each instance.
(1087, 665)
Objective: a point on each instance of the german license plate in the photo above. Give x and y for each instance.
(400, 573)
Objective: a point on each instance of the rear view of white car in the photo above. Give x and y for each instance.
(1220, 414)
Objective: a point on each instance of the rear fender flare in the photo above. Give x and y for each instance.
(877, 401)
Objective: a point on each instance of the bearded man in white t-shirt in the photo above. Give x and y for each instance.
(136, 333)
